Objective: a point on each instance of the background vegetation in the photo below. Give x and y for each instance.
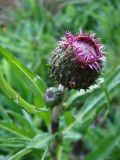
(90, 126)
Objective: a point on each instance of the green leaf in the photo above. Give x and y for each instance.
(115, 74)
(34, 79)
(73, 136)
(20, 154)
(4, 114)
(40, 141)
(45, 153)
(11, 93)
(13, 142)
(24, 123)
(13, 128)
(69, 118)
(80, 95)
(105, 147)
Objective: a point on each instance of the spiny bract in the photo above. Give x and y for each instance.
(76, 63)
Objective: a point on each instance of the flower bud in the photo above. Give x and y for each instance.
(53, 96)
(76, 63)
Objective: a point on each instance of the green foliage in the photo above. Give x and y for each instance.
(91, 118)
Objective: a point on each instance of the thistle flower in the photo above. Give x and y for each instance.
(53, 96)
(76, 63)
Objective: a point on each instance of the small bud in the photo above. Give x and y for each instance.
(53, 96)
(77, 61)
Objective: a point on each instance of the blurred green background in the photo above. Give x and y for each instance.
(30, 29)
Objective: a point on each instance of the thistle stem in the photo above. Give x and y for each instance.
(55, 117)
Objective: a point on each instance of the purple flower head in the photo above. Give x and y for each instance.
(77, 61)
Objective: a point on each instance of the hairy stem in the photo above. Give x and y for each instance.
(56, 113)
